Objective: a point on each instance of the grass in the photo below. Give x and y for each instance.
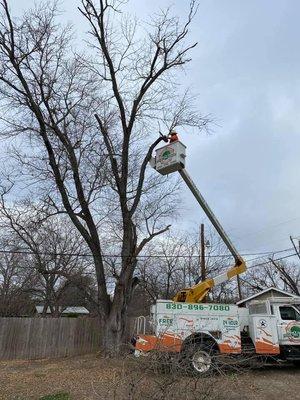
(57, 396)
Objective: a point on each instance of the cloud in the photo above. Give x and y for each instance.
(246, 72)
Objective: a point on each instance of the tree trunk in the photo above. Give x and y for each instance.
(113, 339)
(115, 336)
(114, 330)
(114, 325)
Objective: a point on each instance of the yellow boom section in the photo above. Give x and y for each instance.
(198, 292)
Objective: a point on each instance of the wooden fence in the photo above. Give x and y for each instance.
(33, 338)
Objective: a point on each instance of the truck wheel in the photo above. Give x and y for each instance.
(200, 357)
(201, 361)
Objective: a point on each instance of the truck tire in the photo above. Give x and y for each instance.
(200, 358)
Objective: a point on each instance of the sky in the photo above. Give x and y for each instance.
(245, 71)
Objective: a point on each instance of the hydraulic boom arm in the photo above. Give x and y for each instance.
(171, 158)
(197, 293)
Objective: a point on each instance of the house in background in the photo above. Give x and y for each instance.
(265, 295)
(66, 312)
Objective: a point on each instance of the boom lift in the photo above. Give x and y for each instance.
(269, 327)
(171, 158)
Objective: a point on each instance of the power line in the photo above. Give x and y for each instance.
(250, 267)
(276, 259)
(55, 254)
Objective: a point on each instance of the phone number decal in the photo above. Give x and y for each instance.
(197, 307)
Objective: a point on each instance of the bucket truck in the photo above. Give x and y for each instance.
(186, 325)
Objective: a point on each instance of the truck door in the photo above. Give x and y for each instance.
(288, 325)
(264, 333)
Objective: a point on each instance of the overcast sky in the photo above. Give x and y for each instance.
(246, 70)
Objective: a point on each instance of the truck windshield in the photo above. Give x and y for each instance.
(289, 314)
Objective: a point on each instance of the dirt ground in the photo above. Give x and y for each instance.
(95, 377)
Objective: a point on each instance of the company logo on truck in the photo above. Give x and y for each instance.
(166, 155)
(293, 331)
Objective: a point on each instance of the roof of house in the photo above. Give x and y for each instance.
(67, 310)
(265, 291)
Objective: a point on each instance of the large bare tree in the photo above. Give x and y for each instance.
(85, 126)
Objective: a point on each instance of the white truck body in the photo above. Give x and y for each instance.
(264, 323)
(182, 320)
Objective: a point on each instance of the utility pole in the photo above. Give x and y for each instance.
(239, 286)
(202, 253)
(202, 257)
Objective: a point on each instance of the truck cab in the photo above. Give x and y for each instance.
(274, 327)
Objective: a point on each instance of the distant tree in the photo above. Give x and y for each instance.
(289, 275)
(88, 125)
(77, 291)
(50, 252)
(272, 273)
(15, 284)
(173, 262)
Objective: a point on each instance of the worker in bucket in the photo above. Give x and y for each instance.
(173, 137)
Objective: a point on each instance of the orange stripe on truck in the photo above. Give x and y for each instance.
(166, 342)
(266, 347)
(227, 348)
